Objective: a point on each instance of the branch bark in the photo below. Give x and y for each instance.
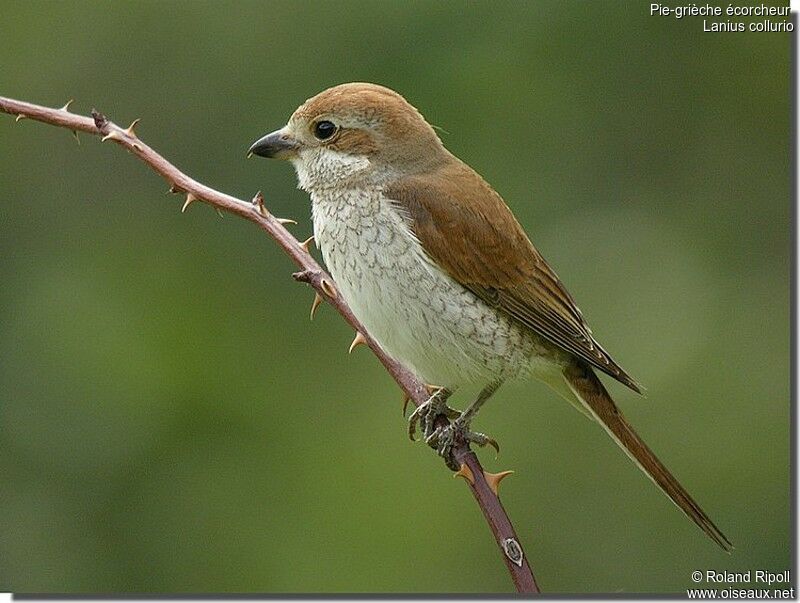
(482, 485)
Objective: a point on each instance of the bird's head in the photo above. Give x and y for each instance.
(354, 133)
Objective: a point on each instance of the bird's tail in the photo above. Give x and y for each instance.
(590, 391)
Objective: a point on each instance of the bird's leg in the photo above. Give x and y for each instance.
(443, 439)
(428, 412)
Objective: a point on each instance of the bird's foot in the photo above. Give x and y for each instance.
(444, 439)
(427, 413)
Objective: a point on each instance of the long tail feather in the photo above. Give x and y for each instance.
(590, 391)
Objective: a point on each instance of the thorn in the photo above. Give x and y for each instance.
(131, 129)
(406, 400)
(249, 154)
(66, 107)
(494, 479)
(75, 134)
(219, 212)
(173, 188)
(315, 304)
(258, 204)
(285, 221)
(465, 472)
(357, 341)
(327, 288)
(113, 135)
(306, 243)
(190, 198)
(20, 117)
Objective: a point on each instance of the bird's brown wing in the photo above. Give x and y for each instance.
(466, 228)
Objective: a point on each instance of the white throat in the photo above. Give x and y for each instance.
(320, 170)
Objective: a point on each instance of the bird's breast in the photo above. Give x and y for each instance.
(418, 314)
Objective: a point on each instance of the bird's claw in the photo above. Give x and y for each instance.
(427, 413)
(481, 439)
(444, 439)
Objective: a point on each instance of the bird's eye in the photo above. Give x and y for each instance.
(324, 129)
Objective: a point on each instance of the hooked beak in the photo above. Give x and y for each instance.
(276, 145)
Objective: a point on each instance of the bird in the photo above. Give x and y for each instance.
(433, 263)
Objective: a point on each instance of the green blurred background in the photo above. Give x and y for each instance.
(170, 420)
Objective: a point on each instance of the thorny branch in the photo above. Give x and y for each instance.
(483, 485)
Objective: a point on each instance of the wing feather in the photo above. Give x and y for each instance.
(497, 261)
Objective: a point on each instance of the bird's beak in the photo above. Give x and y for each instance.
(276, 145)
